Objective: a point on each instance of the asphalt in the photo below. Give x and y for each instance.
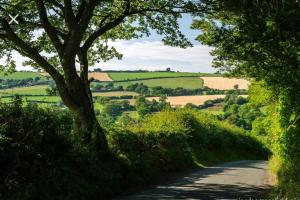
(245, 179)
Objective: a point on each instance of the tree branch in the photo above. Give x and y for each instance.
(69, 14)
(108, 26)
(50, 30)
(30, 51)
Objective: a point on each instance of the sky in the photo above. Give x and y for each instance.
(151, 54)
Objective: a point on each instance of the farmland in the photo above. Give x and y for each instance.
(20, 75)
(31, 90)
(184, 82)
(196, 100)
(41, 90)
(101, 76)
(222, 83)
(115, 94)
(150, 79)
(124, 76)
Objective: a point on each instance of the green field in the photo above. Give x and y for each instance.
(52, 99)
(115, 94)
(123, 76)
(184, 82)
(31, 90)
(20, 75)
(215, 110)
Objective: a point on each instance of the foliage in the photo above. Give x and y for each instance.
(11, 83)
(114, 109)
(56, 35)
(41, 160)
(158, 90)
(52, 91)
(144, 106)
(33, 150)
(260, 39)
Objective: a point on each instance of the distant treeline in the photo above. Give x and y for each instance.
(158, 90)
(150, 78)
(10, 83)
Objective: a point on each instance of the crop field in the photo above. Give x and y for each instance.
(100, 76)
(20, 75)
(183, 100)
(123, 76)
(197, 100)
(184, 82)
(223, 83)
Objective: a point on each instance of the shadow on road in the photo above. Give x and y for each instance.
(223, 182)
(205, 191)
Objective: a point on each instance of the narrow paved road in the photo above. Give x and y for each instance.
(235, 180)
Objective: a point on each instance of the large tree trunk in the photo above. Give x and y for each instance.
(76, 95)
(89, 130)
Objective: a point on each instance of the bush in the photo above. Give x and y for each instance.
(33, 150)
(40, 160)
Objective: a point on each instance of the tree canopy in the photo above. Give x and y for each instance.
(59, 35)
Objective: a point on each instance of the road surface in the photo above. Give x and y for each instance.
(244, 179)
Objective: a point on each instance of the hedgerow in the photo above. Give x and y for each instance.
(39, 158)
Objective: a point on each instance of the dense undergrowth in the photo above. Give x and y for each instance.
(280, 135)
(40, 159)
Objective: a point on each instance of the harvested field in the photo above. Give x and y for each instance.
(197, 100)
(222, 83)
(101, 76)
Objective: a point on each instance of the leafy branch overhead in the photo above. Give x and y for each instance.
(56, 35)
(58, 28)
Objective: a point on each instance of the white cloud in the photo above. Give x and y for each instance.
(157, 56)
(158, 51)
(147, 55)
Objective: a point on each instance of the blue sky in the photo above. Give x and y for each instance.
(151, 54)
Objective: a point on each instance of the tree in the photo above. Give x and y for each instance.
(261, 39)
(71, 32)
(142, 106)
(162, 103)
(97, 70)
(112, 109)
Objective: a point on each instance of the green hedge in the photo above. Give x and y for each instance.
(39, 158)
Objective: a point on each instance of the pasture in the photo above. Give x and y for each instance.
(114, 94)
(20, 75)
(31, 90)
(123, 76)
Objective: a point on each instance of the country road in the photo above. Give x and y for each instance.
(244, 179)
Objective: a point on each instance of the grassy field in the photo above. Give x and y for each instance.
(32, 90)
(123, 76)
(114, 94)
(184, 82)
(20, 75)
(215, 110)
(52, 99)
